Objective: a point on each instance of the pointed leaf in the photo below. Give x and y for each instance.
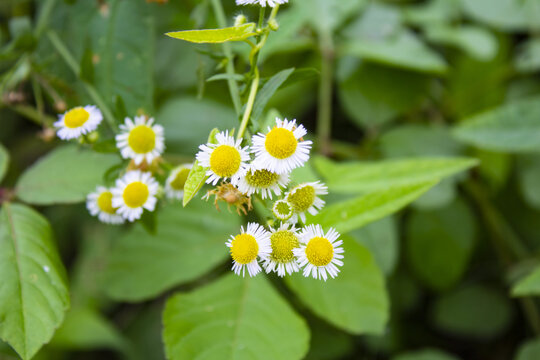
(233, 319)
(34, 295)
(235, 33)
(529, 285)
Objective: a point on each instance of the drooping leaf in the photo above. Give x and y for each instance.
(363, 177)
(34, 295)
(233, 318)
(355, 301)
(4, 161)
(65, 175)
(213, 36)
(513, 127)
(188, 243)
(474, 311)
(529, 285)
(352, 214)
(437, 250)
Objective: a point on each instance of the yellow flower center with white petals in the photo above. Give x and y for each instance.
(319, 251)
(76, 118)
(225, 161)
(136, 194)
(142, 139)
(283, 243)
(180, 180)
(244, 248)
(261, 178)
(302, 198)
(280, 143)
(104, 202)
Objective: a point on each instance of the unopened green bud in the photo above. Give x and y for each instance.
(273, 24)
(240, 20)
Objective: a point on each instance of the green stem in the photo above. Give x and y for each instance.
(324, 115)
(249, 105)
(43, 19)
(233, 85)
(74, 66)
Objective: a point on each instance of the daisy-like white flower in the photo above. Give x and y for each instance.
(305, 197)
(247, 246)
(280, 150)
(224, 160)
(99, 203)
(263, 181)
(271, 3)
(174, 186)
(282, 260)
(133, 193)
(140, 140)
(78, 121)
(282, 210)
(319, 253)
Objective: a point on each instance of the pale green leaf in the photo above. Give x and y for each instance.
(213, 36)
(476, 41)
(65, 175)
(4, 161)
(188, 243)
(326, 15)
(426, 354)
(513, 127)
(197, 175)
(529, 285)
(355, 301)
(233, 318)
(529, 350)
(34, 295)
(363, 177)
(352, 214)
(506, 15)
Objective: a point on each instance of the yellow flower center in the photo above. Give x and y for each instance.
(104, 202)
(283, 208)
(142, 139)
(225, 161)
(302, 198)
(283, 243)
(136, 194)
(319, 251)
(280, 143)
(76, 118)
(261, 178)
(244, 249)
(180, 180)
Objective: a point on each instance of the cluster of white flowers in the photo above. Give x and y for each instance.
(142, 142)
(276, 154)
(263, 3)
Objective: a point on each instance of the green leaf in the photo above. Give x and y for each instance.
(513, 127)
(528, 56)
(475, 41)
(233, 318)
(197, 175)
(506, 15)
(426, 354)
(235, 77)
(326, 16)
(529, 350)
(4, 161)
(355, 301)
(213, 36)
(65, 175)
(188, 243)
(363, 177)
(529, 285)
(34, 295)
(474, 311)
(267, 91)
(438, 250)
(352, 214)
(529, 177)
(86, 329)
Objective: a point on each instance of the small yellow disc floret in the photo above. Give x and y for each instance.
(283, 243)
(142, 139)
(76, 118)
(302, 198)
(244, 249)
(136, 194)
(319, 251)
(261, 178)
(225, 161)
(104, 202)
(280, 143)
(180, 180)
